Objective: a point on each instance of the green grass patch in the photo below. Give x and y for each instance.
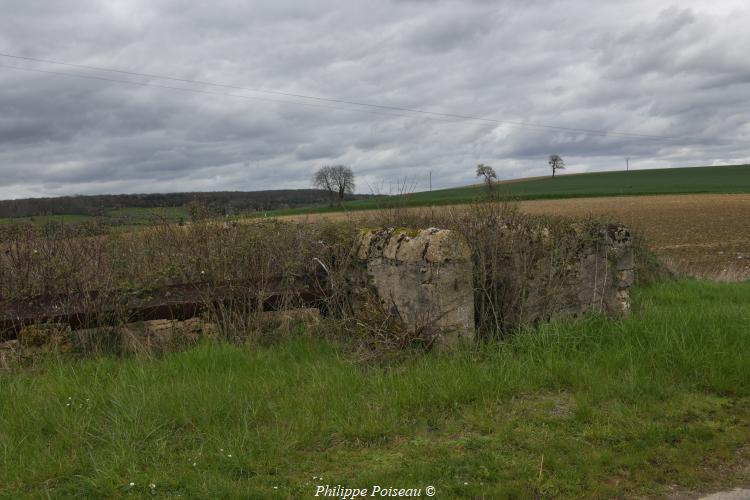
(719, 179)
(45, 219)
(138, 216)
(119, 216)
(592, 408)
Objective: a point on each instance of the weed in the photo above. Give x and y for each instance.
(620, 409)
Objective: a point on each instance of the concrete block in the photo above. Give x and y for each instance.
(424, 277)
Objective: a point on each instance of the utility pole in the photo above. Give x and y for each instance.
(430, 180)
(627, 164)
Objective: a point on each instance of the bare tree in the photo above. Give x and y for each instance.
(338, 180)
(488, 173)
(557, 163)
(322, 179)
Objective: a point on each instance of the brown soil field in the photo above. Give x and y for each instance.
(702, 235)
(706, 235)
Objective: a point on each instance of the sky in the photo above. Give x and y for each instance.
(666, 81)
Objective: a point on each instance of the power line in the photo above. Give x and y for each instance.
(225, 94)
(451, 116)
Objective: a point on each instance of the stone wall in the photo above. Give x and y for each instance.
(432, 282)
(423, 278)
(607, 271)
(595, 279)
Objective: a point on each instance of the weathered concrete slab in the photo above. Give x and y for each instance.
(607, 272)
(287, 320)
(424, 278)
(594, 278)
(46, 337)
(180, 301)
(142, 336)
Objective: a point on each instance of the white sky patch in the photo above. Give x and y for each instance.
(663, 68)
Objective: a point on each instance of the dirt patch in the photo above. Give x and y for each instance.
(735, 473)
(702, 235)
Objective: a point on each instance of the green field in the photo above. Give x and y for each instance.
(120, 216)
(592, 408)
(44, 219)
(721, 179)
(139, 216)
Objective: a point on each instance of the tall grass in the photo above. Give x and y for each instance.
(585, 408)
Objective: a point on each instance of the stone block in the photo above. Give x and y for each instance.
(607, 272)
(424, 278)
(287, 320)
(143, 336)
(46, 337)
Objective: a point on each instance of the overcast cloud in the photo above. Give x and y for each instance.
(665, 68)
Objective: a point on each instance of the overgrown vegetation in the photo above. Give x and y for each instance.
(522, 264)
(231, 271)
(654, 404)
(61, 259)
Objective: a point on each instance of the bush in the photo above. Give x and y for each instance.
(522, 265)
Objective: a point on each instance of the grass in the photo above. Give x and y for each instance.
(122, 216)
(719, 179)
(44, 219)
(591, 408)
(144, 216)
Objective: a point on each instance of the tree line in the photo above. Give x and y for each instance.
(217, 203)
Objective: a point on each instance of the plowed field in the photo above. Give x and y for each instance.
(704, 235)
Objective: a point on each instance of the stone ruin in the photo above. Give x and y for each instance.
(145, 337)
(425, 279)
(607, 270)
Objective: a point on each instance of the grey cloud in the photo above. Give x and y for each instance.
(449, 31)
(678, 69)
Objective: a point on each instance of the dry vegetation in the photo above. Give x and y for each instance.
(702, 235)
(522, 266)
(705, 235)
(229, 271)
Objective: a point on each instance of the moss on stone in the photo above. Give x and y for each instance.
(411, 233)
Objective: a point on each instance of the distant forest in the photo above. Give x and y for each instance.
(219, 203)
